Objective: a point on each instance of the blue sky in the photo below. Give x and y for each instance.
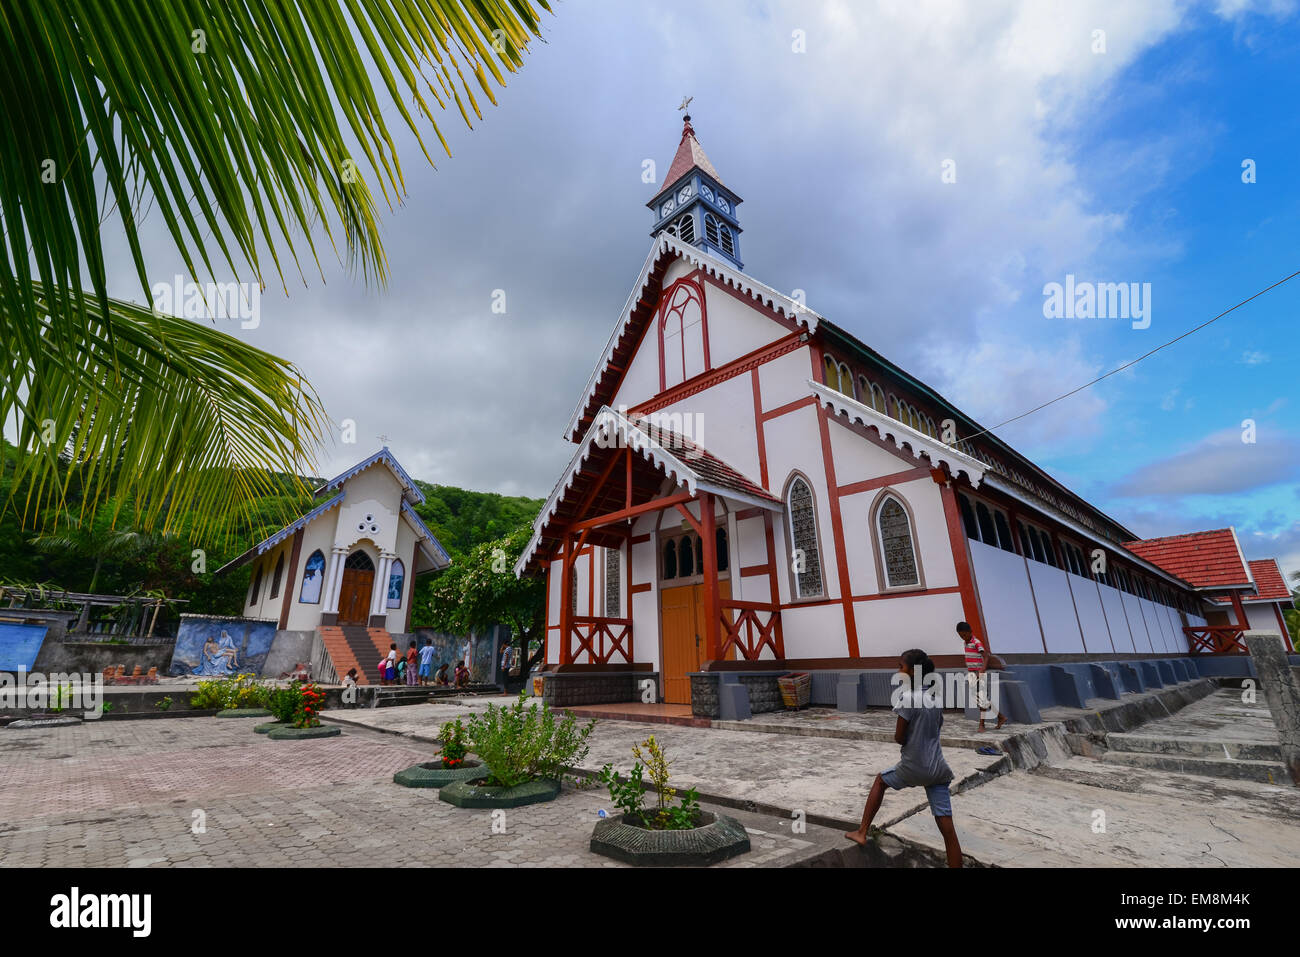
(1115, 165)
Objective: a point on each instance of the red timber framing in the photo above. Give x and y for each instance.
(1224, 639)
(624, 487)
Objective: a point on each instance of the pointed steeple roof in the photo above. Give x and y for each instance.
(690, 154)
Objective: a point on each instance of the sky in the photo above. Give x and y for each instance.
(922, 170)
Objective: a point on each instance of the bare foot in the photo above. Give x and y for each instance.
(857, 837)
(1001, 721)
(982, 728)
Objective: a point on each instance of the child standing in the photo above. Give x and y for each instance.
(977, 664)
(920, 762)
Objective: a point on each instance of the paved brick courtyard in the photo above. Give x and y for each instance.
(124, 793)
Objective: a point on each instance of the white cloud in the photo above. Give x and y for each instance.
(1219, 464)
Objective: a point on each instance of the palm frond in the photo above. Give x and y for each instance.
(186, 423)
(251, 127)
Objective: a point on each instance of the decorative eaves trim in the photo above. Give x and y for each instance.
(665, 243)
(410, 492)
(901, 434)
(610, 429)
(440, 558)
(267, 544)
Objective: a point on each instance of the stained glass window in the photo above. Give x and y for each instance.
(396, 577)
(803, 535)
(898, 552)
(313, 576)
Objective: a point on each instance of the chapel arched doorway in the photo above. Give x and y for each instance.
(354, 592)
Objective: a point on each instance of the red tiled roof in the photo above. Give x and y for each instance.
(1269, 582)
(689, 154)
(706, 465)
(1204, 559)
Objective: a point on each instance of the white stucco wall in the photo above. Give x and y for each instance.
(1006, 600)
(1112, 602)
(890, 626)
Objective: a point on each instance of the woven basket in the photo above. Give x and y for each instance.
(796, 689)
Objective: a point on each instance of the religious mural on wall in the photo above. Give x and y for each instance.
(217, 647)
(313, 575)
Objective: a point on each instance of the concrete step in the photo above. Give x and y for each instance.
(1265, 772)
(1228, 750)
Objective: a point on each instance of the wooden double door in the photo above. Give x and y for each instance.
(354, 596)
(682, 625)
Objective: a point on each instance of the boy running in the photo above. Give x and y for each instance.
(977, 664)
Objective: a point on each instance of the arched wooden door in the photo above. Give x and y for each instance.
(354, 592)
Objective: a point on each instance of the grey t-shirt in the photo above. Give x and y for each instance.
(921, 761)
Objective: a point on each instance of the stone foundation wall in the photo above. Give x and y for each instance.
(764, 693)
(564, 690)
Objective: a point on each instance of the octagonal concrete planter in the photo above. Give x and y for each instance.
(718, 838)
(244, 713)
(290, 733)
(431, 774)
(271, 726)
(469, 794)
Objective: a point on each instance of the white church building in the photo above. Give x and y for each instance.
(752, 488)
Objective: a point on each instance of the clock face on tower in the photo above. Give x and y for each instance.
(706, 192)
(724, 205)
(669, 207)
(684, 194)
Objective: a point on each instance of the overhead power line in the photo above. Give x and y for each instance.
(1134, 362)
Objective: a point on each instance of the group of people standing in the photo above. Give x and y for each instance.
(415, 668)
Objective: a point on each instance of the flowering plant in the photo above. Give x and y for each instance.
(454, 745)
(309, 705)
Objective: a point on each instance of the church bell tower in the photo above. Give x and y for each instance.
(694, 205)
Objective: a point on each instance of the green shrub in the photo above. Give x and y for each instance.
(628, 794)
(518, 744)
(239, 691)
(454, 744)
(284, 702)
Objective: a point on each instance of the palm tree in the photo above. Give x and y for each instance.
(248, 127)
(96, 542)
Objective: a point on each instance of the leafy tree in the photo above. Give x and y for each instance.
(245, 128)
(482, 591)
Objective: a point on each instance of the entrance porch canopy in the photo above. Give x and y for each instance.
(625, 467)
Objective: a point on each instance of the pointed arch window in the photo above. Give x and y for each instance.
(613, 582)
(277, 576)
(669, 568)
(728, 240)
(806, 562)
(683, 227)
(396, 579)
(313, 576)
(257, 585)
(711, 229)
(871, 394)
(898, 559)
(724, 556)
(683, 341)
(838, 376)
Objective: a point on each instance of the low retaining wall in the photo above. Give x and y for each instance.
(94, 656)
(576, 688)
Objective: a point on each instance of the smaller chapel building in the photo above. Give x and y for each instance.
(346, 570)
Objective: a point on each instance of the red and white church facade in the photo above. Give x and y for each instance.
(754, 489)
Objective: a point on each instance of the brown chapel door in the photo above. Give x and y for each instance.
(685, 647)
(354, 589)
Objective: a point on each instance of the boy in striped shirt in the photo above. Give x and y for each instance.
(977, 663)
